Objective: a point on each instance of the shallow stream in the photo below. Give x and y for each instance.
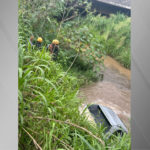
(114, 91)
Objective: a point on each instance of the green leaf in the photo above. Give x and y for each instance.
(42, 71)
(20, 72)
(48, 81)
(91, 35)
(44, 98)
(86, 142)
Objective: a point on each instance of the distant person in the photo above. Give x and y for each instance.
(31, 40)
(39, 41)
(53, 49)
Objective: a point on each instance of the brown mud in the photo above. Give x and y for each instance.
(114, 91)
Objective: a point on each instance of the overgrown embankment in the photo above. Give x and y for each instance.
(48, 113)
(113, 33)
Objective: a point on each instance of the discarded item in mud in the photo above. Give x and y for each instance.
(107, 117)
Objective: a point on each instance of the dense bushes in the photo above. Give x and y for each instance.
(112, 33)
(115, 35)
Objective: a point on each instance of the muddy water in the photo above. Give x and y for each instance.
(113, 92)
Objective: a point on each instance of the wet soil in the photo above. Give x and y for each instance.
(114, 91)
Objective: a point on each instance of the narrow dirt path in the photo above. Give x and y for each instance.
(113, 92)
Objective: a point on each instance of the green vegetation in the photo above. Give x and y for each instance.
(48, 115)
(113, 34)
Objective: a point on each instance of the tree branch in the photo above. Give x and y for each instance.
(74, 126)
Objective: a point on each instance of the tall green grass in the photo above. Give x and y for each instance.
(114, 33)
(37, 75)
